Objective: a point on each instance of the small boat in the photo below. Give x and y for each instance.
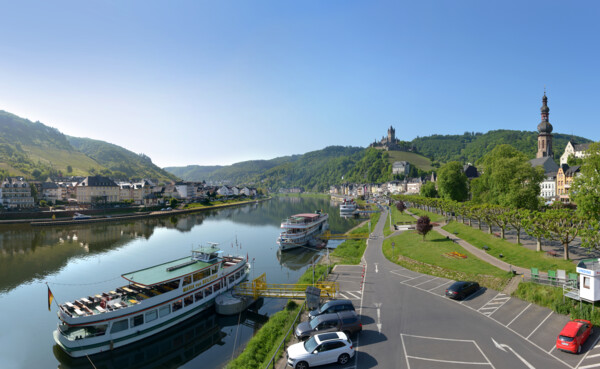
(348, 207)
(79, 216)
(299, 229)
(155, 299)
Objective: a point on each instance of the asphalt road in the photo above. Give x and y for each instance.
(408, 323)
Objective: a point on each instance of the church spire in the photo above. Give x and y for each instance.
(545, 131)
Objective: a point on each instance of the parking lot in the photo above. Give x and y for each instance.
(441, 353)
(538, 325)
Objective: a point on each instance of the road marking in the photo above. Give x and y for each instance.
(404, 348)
(503, 347)
(402, 275)
(587, 353)
(426, 281)
(448, 361)
(590, 366)
(350, 293)
(378, 306)
(536, 328)
(500, 298)
(445, 282)
(591, 356)
(344, 296)
(376, 269)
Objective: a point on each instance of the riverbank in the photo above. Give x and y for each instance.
(138, 215)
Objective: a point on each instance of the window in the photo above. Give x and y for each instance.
(187, 280)
(151, 315)
(207, 291)
(164, 310)
(119, 326)
(137, 320)
(177, 305)
(188, 300)
(586, 282)
(198, 296)
(217, 286)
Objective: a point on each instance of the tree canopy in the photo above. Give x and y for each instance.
(585, 191)
(452, 182)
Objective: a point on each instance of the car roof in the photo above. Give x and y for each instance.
(320, 338)
(338, 302)
(346, 313)
(570, 329)
(459, 283)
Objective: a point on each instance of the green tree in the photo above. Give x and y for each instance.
(452, 182)
(69, 169)
(516, 218)
(585, 191)
(563, 225)
(508, 179)
(428, 190)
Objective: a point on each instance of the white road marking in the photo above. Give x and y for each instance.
(378, 306)
(589, 366)
(518, 315)
(591, 356)
(587, 353)
(353, 295)
(376, 269)
(429, 280)
(536, 328)
(503, 347)
(402, 275)
(446, 282)
(344, 296)
(402, 335)
(448, 361)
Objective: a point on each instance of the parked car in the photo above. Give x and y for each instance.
(324, 348)
(331, 306)
(344, 321)
(461, 289)
(573, 335)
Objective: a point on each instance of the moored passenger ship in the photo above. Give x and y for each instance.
(155, 299)
(299, 229)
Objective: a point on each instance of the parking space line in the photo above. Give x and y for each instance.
(539, 325)
(402, 275)
(360, 293)
(429, 280)
(344, 296)
(591, 356)
(587, 353)
(350, 293)
(439, 285)
(518, 315)
(447, 361)
(404, 348)
(402, 335)
(589, 366)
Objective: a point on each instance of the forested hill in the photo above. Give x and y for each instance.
(36, 151)
(469, 147)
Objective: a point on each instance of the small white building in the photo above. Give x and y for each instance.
(401, 167)
(589, 279)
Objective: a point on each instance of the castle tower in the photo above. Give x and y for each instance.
(544, 132)
(391, 138)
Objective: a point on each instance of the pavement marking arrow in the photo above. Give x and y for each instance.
(376, 269)
(503, 347)
(378, 306)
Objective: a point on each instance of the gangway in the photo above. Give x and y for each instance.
(260, 288)
(327, 235)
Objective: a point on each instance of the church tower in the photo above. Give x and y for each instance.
(544, 132)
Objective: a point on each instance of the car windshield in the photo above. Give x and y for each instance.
(566, 339)
(310, 345)
(324, 307)
(315, 322)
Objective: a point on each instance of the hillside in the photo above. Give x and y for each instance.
(469, 147)
(36, 151)
(417, 160)
(121, 162)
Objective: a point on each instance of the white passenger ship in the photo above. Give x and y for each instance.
(299, 229)
(155, 299)
(348, 207)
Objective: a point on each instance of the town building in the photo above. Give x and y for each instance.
(575, 150)
(544, 132)
(564, 180)
(16, 193)
(401, 167)
(548, 185)
(97, 189)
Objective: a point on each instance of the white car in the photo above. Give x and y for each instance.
(320, 349)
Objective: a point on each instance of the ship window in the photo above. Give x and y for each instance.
(198, 296)
(208, 291)
(137, 320)
(177, 305)
(215, 269)
(188, 300)
(217, 286)
(164, 310)
(119, 326)
(151, 315)
(231, 279)
(201, 275)
(187, 280)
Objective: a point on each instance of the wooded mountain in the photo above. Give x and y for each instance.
(35, 151)
(317, 170)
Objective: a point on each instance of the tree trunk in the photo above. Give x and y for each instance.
(479, 224)
(539, 244)
(518, 236)
(566, 250)
(470, 222)
(502, 232)
(490, 228)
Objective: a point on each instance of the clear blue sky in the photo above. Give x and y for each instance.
(217, 82)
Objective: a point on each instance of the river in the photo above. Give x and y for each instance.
(83, 260)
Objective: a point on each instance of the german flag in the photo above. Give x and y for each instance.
(50, 298)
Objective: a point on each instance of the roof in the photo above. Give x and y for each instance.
(546, 162)
(581, 147)
(305, 215)
(160, 273)
(571, 328)
(97, 181)
(572, 170)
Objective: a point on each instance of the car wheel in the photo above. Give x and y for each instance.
(343, 359)
(302, 365)
(579, 349)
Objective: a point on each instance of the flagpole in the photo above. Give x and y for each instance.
(53, 298)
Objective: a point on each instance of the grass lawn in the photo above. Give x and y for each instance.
(436, 218)
(397, 217)
(430, 257)
(513, 254)
(417, 160)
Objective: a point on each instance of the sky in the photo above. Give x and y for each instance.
(219, 82)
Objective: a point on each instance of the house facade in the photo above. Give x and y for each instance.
(97, 189)
(16, 193)
(564, 180)
(574, 149)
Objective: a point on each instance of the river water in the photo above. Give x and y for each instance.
(82, 260)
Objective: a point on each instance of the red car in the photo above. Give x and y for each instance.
(573, 335)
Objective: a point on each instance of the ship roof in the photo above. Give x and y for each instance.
(305, 215)
(166, 272)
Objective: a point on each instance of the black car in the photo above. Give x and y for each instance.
(332, 306)
(461, 289)
(344, 321)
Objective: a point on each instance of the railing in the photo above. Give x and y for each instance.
(343, 236)
(259, 287)
(273, 360)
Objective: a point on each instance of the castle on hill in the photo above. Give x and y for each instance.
(391, 142)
